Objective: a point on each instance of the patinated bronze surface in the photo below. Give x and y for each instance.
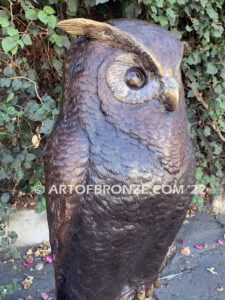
(122, 122)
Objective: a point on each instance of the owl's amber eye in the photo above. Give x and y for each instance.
(135, 78)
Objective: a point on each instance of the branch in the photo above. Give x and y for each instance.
(35, 85)
(11, 11)
(200, 99)
(213, 124)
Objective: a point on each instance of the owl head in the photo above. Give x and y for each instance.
(147, 65)
(127, 72)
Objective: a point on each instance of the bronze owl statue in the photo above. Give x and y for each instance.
(122, 122)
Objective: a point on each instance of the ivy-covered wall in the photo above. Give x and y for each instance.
(32, 52)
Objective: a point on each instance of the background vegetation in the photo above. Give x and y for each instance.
(32, 52)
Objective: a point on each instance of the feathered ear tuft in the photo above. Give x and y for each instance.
(111, 36)
(90, 28)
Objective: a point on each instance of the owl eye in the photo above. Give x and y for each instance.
(135, 78)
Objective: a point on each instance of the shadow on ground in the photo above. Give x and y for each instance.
(185, 278)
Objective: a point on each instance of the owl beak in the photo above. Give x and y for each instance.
(172, 93)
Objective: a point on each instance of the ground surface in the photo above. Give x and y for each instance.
(185, 278)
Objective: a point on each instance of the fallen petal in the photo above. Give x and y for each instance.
(220, 289)
(30, 261)
(202, 195)
(181, 241)
(186, 251)
(199, 247)
(48, 259)
(45, 296)
(220, 242)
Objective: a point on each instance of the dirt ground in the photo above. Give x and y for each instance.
(197, 276)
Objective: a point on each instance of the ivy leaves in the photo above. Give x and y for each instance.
(8, 44)
(211, 69)
(14, 39)
(46, 16)
(11, 43)
(31, 14)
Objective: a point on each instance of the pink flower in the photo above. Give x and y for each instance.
(202, 195)
(185, 251)
(199, 247)
(181, 241)
(220, 242)
(45, 296)
(48, 259)
(30, 261)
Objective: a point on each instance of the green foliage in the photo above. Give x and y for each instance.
(32, 53)
(8, 289)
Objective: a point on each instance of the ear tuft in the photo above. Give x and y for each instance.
(80, 26)
(112, 36)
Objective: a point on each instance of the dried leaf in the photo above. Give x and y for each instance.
(27, 282)
(186, 222)
(37, 253)
(212, 270)
(39, 266)
(36, 140)
(30, 252)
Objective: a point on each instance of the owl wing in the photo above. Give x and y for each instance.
(66, 158)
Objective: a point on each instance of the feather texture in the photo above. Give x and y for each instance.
(112, 246)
